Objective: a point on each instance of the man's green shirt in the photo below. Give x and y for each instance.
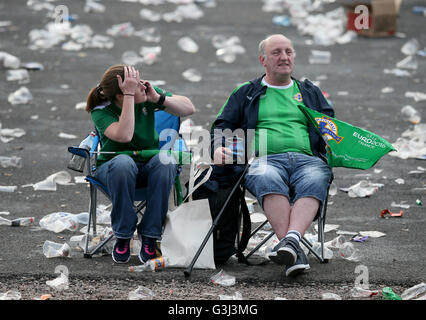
(286, 126)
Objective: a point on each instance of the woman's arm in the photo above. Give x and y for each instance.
(176, 104)
(122, 130)
(179, 105)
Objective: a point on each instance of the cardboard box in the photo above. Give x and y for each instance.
(382, 17)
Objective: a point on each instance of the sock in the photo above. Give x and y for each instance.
(294, 234)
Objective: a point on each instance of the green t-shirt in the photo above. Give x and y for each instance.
(145, 136)
(286, 126)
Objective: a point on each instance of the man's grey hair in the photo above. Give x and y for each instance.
(262, 45)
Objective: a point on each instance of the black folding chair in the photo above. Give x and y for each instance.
(322, 212)
(321, 224)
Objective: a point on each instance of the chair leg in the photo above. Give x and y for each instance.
(321, 236)
(92, 219)
(269, 236)
(99, 245)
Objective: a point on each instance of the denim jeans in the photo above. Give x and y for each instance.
(291, 174)
(122, 175)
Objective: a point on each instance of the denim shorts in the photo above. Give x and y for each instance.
(291, 174)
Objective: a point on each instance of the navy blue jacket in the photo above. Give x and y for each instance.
(242, 108)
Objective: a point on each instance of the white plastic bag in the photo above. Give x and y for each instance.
(185, 229)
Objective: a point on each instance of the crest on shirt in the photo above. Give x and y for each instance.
(145, 111)
(328, 129)
(298, 97)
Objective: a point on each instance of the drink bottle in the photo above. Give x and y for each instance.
(151, 265)
(77, 162)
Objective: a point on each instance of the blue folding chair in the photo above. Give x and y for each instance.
(167, 125)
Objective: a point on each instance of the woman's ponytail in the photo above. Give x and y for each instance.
(107, 89)
(95, 98)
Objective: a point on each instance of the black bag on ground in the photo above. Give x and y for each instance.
(226, 239)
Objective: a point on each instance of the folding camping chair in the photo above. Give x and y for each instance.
(163, 121)
(322, 211)
(321, 223)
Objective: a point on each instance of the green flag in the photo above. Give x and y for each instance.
(348, 146)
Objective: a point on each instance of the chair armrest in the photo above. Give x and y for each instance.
(79, 152)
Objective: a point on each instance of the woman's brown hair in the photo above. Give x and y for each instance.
(107, 89)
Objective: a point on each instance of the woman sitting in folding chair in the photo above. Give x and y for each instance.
(122, 108)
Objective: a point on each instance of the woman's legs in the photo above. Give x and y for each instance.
(119, 176)
(159, 179)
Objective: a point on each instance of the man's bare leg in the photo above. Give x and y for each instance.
(302, 214)
(277, 210)
(289, 222)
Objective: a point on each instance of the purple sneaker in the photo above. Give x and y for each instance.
(121, 251)
(148, 249)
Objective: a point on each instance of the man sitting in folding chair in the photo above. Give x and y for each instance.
(122, 108)
(291, 181)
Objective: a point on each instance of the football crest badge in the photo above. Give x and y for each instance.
(328, 129)
(298, 97)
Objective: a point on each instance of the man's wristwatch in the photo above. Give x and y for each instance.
(161, 100)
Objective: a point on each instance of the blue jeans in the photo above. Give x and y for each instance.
(291, 174)
(122, 175)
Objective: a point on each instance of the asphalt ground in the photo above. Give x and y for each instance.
(396, 259)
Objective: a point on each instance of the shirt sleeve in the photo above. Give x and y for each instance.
(102, 120)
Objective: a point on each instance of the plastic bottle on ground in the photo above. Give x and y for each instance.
(17, 222)
(414, 292)
(150, 265)
(22, 221)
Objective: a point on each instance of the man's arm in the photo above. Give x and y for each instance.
(229, 117)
